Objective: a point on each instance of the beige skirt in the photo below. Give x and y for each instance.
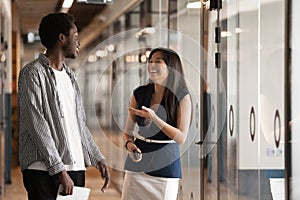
(140, 186)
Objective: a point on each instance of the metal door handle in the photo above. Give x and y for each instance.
(277, 118)
(231, 120)
(252, 116)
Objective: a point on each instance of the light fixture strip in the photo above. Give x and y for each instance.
(67, 3)
(194, 5)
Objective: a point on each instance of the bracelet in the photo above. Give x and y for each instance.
(126, 143)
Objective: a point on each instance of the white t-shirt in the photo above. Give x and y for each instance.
(66, 94)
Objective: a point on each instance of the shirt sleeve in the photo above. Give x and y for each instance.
(34, 127)
(95, 154)
(181, 94)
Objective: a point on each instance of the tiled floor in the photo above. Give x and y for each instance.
(16, 191)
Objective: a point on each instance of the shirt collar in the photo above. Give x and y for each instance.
(45, 61)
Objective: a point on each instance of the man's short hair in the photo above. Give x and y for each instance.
(52, 25)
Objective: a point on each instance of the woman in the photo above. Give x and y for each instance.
(162, 110)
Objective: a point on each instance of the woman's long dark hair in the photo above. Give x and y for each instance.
(175, 81)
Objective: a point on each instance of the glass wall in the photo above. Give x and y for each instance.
(186, 41)
(5, 93)
(255, 58)
(232, 46)
(118, 64)
(295, 99)
(238, 109)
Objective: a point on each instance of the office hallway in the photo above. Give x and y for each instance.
(16, 191)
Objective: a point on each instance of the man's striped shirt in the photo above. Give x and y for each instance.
(41, 132)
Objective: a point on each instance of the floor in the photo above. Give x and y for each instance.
(16, 191)
(188, 190)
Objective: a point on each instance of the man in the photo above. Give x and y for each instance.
(54, 142)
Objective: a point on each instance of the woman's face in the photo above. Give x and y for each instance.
(157, 68)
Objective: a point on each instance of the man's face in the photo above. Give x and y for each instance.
(71, 49)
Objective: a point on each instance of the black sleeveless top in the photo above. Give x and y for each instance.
(161, 160)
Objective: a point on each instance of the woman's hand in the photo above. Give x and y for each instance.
(145, 112)
(134, 152)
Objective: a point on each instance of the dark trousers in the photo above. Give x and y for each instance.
(41, 186)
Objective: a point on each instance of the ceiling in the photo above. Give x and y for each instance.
(91, 19)
(31, 12)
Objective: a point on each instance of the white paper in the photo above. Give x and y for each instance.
(79, 193)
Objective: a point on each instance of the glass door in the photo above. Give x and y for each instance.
(185, 19)
(255, 47)
(2, 114)
(248, 131)
(232, 47)
(272, 98)
(242, 151)
(294, 71)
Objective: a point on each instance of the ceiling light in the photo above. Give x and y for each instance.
(110, 47)
(194, 5)
(145, 31)
(92, 58)
(67, 3)
(30, 37)
(238, 30)
(101, 53)
(95, 1)
(226, 34)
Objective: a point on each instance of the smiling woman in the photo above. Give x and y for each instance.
(162, 110)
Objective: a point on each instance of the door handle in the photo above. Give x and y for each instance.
(252, 116)
(201, 142)
(231, 120)
(277, 118)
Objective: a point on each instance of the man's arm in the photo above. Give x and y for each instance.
(33, 120)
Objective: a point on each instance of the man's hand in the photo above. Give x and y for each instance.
(104, 174)
(66, 183)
